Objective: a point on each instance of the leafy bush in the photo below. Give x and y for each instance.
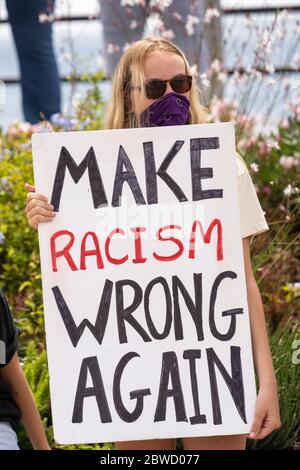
(274, 164)
(286, 360)
(34, 365)
(20, 275)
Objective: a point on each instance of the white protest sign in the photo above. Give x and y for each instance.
(144, 288)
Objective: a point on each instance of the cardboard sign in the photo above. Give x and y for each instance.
(143, 280)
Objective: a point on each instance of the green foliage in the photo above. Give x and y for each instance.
(18, 248)
(90, 110)
(286, 360)
(35, 368)
(273, 174)
(20, 275)
(274, 164)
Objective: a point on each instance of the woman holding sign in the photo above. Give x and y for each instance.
(153, 86)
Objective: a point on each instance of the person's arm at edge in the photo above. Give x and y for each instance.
(267, 417)
(13, 375)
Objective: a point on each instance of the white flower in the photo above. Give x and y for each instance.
(204, 81)
(112, 48)
(76, 100)
(272, 143)
(254, 166)
(161, 4)
(190, 24)
(133, 24)
(270, 68)
(222, 77)
(25, 126)
(290, 190)
(126, 46)
(130, 3)
(177, 16)
(100, 61)
(287, 162)
(44, 18)
(210, 14)
(155, 24)
(283, 14)
(168, 34)
(194, 70)
(248, 21)
(215, 66)
(295, 62)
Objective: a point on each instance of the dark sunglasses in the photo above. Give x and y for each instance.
(156, 88)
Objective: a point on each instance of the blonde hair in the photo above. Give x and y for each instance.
(130, 70)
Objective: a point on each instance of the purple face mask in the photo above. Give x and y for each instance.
(170, 110)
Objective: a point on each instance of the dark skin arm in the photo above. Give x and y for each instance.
(13, 376)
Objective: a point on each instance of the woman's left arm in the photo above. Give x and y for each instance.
(267, 417)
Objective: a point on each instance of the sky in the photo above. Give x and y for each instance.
(90, 6)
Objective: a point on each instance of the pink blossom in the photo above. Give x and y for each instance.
(168, 34)
(295, 108)
(25, 127)
(284, 124)
(265, 270)
(42, 128)
(133, 24)
(254, 166)
(190, 24)
(112, 48)
(287, 162)
(177, 16)
(263, 149)
(266, 189)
